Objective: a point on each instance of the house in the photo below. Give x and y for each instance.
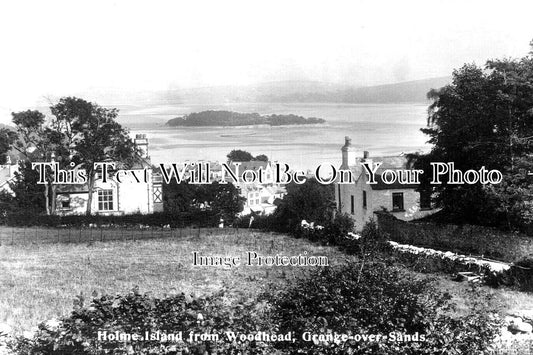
(112, 198)
(260, 196)
(360, 200)
(7, 174)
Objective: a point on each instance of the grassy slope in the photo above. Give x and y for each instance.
(39, 281)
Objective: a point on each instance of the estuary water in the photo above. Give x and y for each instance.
(381, 129)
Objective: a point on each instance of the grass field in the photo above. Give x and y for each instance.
(39, 280)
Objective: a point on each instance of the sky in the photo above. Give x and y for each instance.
(52, 48)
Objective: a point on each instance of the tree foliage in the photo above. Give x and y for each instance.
(239, 155)
(224, 199)
(38, 141)
(484, 118)
(93, 135)
(311, 201)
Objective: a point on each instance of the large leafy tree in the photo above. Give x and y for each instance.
(222, 199)
(483, 118)
(239, 155)
(93, 135)
(38, 140)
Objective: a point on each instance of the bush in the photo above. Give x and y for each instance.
(138, 313)
(159, 219)
(377, 300)
(521, 274)
(347, 300)
(337, 230)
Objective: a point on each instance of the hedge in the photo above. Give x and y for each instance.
(160, 219)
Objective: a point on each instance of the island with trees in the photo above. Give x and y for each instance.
(230, 118)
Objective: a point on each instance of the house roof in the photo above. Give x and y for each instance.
(388, 162)
(392, 163)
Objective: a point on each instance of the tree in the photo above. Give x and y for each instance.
(311, 201)
(242, 156)
(239, 155)
(483, 118)
(93, 135)
(28, 196)
(261, 157)
(222, 199)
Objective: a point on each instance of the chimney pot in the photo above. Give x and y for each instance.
(366, 154)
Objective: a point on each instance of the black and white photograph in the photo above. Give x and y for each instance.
(266, 177)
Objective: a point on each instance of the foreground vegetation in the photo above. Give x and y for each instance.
(41, 280)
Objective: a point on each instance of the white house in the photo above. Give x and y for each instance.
(7, 174)
(360, 200)
(112, 198)
(260, 197)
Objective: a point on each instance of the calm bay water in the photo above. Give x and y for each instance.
(381, 129)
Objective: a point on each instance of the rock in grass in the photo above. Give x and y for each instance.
(516, 325)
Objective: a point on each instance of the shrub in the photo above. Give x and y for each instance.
(521, 274)
(348, 300)
(337, 230)
(376, 300)
(138, 313)
(159, 219)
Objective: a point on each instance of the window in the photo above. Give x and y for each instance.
(158, 194)
(105, 200)
(353, 204)
(425, 200)
(397, 201)
(364, 199)
(65, 203)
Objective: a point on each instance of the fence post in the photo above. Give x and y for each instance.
(58, 235)
(79, 237)
(101, 235)
(12, 236)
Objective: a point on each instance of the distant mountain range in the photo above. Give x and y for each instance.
(411, 91)
(308, 91)
(135, 105)
(272, 92)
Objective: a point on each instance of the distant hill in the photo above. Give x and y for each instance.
(146, 107)
(307, 91)
(411, 91)
(229, 118)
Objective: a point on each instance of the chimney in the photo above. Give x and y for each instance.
(142, 143)
(348, 153)
(366, 154)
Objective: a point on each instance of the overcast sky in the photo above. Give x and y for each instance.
(63, 47)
